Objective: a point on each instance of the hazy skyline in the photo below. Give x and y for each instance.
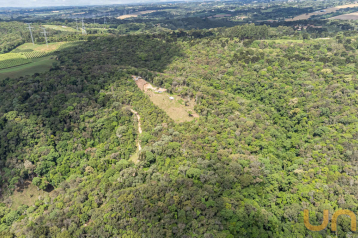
(43, 3)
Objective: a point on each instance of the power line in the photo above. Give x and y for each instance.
(43, 28)
(83, 28)
(30, 27)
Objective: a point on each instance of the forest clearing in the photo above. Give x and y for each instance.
(135, 14)
(26, 194)
(174, 106)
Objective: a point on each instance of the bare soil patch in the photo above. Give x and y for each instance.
(145, 86)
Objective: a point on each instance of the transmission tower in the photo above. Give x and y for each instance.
(30, 27)
(104, 20)
(83, 28)
(94, 19)
(44, 29)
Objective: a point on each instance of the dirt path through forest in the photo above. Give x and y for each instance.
(139, 128)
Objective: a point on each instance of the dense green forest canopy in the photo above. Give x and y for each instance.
(12, 35)
(277, 134)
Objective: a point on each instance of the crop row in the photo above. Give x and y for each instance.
(13, 62)
(9, 56)
(35, 54)
(15, 59)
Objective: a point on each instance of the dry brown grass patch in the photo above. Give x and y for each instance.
(350, 16)
(135, 14)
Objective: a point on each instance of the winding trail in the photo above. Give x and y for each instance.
(139, 128)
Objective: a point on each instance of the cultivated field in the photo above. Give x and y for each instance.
(25, 55)
(326, 11)
(28, 59)
(350, 16)
(39, 65)
(135, 14)
(12, 59)
(29, 47)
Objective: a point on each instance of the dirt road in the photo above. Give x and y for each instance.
(139, 128)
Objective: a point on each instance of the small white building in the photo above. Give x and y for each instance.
(171, 98)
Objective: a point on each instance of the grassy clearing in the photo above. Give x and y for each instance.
(39, 65)
(174, 108)
(136, 14)
(12, 59)
(26, 194)
(135, 156)
(60, 28)
(11, 56)
(4, 64)
(29, 47)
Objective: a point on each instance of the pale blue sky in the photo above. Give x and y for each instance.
(41, 3)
